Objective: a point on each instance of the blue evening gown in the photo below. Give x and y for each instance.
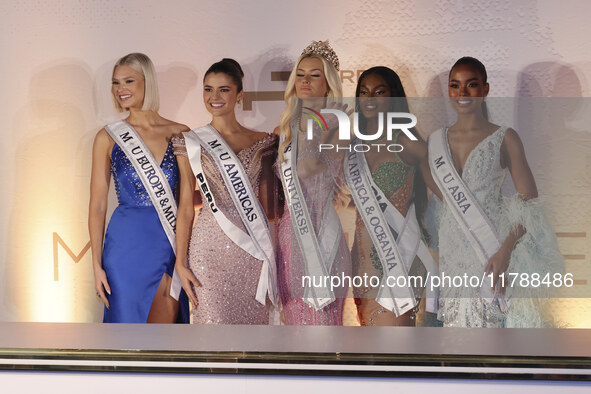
(136, 251)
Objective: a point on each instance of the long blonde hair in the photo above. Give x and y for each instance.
(334, 90)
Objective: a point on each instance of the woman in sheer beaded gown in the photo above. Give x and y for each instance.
(401, 176)
(315, 75)
(220, 277)
(483, 153)
(133, 264)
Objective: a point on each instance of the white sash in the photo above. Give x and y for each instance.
(471, 217)
(318, 253)
(154, 182)
(257, 242)
(379, 215)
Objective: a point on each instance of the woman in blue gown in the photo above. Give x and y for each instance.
(133, 265)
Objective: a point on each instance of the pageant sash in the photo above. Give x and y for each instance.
(465, 208)
(154, 181)
(396, 256)
(318, 253)
(257, 242)
(409, 241)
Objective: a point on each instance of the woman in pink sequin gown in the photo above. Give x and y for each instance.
(315, 75)
(221, 278)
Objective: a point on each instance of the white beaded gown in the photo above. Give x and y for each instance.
(536, 252)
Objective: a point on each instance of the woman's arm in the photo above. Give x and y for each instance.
(513, 157)
(99, 191)
(184, 225)
(415, 153)
(322, 159)
(269, 186)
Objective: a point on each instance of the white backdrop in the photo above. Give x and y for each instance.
(55, 81)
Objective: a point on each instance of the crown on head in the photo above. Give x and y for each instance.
(322, 48)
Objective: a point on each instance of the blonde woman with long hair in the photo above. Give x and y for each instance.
(311, 245)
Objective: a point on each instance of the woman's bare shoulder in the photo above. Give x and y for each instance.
(103, 137)
(173, 127)
(257, 135)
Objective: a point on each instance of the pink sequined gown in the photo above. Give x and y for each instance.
(290, 267)
(228, 275)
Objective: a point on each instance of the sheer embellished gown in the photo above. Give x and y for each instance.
(318, 191)
(228, 275)
(536, 252)
(136, 251)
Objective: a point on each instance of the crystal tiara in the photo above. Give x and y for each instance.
(323, 49)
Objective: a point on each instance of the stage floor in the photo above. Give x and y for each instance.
(543, 354)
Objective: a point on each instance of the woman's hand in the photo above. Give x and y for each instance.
(187, 279)
(101, 284)
(497, 265)
(332, 123)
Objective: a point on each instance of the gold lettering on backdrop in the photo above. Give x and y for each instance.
(57, 240)
(347, 75)
(278, 95)
(249, 97)
(280, 75)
